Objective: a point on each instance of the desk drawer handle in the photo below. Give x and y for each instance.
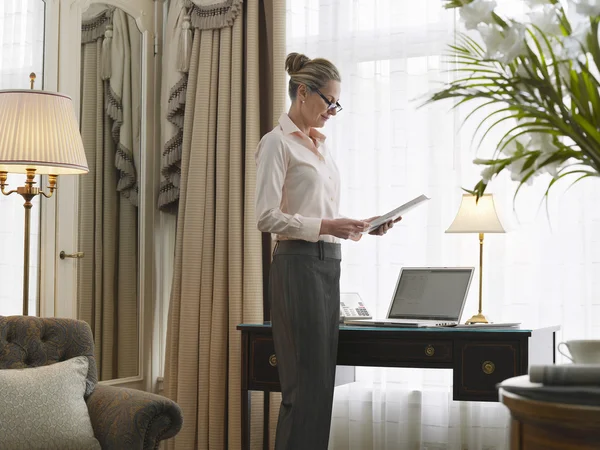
(429, 350)
(273, 360)
(488, 367)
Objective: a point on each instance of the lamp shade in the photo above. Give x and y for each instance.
(39, 130)
(476, 217)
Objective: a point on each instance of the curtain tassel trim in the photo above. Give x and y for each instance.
(106, 53)
(213, 15)
(168, 196)
(127, 183)
(95, 28)
(184, 53)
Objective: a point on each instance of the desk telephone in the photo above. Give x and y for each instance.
(352, 306)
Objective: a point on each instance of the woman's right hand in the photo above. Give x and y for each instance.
(343, 228)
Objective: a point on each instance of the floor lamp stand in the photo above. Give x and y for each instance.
(479, 317)
(28, 192)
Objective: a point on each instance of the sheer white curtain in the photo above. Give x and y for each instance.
(544, 271)
(21, 52)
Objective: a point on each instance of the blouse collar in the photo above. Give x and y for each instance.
(289, 127)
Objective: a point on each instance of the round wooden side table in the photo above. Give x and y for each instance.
(546, 425)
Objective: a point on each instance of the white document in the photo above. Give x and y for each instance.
(488, 325)
(399, 211)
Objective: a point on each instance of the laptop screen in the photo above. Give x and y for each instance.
(431, 293)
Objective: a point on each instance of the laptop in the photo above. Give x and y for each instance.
(426, 297)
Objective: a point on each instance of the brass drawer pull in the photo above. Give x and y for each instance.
(273, 360)
(429, 350)
(488, 367)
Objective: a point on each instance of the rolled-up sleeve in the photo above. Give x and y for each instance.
(271, 167)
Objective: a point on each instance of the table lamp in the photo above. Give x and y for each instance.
(477, 217)
(39, 135)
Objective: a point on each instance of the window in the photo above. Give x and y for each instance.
(390, 148)
(21, 52)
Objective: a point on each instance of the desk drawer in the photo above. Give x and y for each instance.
(481, 365)
(263, 363)
(395, 352)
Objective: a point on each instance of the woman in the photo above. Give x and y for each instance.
(297, 199)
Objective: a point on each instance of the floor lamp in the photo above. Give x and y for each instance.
(477, 217)
(39, 135)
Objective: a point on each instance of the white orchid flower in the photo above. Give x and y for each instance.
(588, 7)
(542, 142)
(513, 147)
(534, 3)
(492, 38)
(570, 48)
(514, 44)
(503, 45)
(569, 53)
(488, 173)
(552, 168)
(476, 12)
(517, 173)
(516, 169)
(546, 19)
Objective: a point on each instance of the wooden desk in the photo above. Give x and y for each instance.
(479, 359)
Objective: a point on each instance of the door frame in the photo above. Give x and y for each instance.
(60, 276)
(46, 295)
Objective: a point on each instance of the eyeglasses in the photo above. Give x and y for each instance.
(330, 104)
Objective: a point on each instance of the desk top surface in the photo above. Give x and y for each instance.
(267, 325)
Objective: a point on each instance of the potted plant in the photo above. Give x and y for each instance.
(539, 76)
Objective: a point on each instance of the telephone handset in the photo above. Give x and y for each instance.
(352, 307)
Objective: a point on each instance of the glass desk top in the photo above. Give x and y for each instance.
(411, 329)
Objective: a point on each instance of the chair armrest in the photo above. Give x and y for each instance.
(132, 419)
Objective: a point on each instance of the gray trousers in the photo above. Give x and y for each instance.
(304, 292)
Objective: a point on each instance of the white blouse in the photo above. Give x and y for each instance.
(297, 183)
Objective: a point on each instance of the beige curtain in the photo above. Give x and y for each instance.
(107, 286)
(273, 91)
(217, 282)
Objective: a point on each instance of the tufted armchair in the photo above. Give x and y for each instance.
(122, 418)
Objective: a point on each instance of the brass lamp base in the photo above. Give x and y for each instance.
(477, 318)
(28, 192)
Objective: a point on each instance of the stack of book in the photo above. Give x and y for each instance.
(566, 375)
(560, 383)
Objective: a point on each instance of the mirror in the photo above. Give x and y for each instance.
(108, 225)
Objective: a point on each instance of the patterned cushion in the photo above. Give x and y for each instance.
(27, 341)
(44, 407)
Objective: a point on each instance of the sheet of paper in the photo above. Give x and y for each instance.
(489, 325)
(399, 211)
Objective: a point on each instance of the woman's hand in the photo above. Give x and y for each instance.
(384, 228)
(344, 228)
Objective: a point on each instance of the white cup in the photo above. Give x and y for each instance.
(585, 351)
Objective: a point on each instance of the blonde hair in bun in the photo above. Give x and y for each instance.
(313, 73)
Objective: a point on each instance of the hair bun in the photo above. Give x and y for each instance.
(295, 62)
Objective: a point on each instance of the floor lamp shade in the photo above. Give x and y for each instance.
(39, 135)
(39, 130)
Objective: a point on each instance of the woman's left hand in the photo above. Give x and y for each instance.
(384, 228)
(377, 231)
